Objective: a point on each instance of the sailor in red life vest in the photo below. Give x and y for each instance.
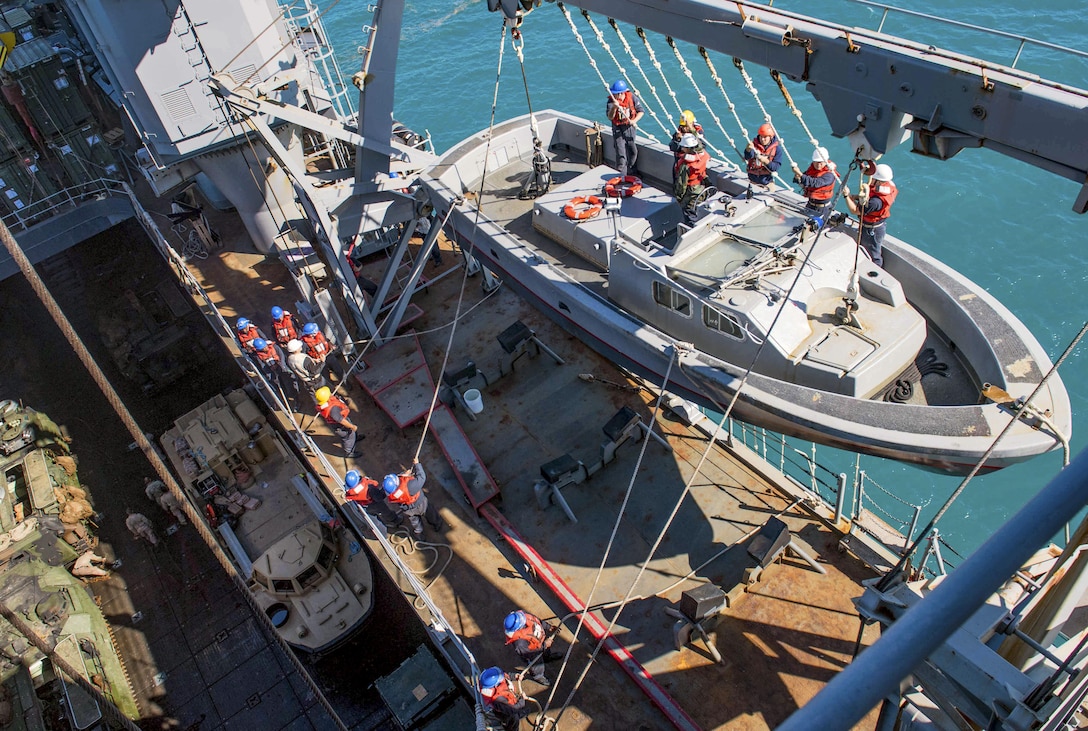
(320, 349)
(270, 359)
(247, 332)
(874, 204)
(818, 181)
(501, 699)
(283, 326)
(368, 494)
(624, 109)
(686, 125)
(336, 413)
(764, 156)
(531, 639)
(405, 493)
(689, 175)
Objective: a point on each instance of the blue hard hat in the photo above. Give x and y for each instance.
(618, 86)
(242, 323)
(390, 484)
(513, 622)
(352, 478)
(277, 313)
(260, 343)
(309, 328)
(491, 677)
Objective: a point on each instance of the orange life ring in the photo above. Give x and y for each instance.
(623, 187)
(593, 207)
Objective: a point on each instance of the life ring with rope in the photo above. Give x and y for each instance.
(583, 207)
(623, 186)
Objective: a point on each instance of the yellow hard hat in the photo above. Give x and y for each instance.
(322, 395)
(687, 117)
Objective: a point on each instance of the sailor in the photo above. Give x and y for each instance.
(306, 369)
(85, 565)
(405, 493)
(689, 175)
(624, 109)
(267, 356)
(369, 495)
(247, 333)
(153, 489)
(172, 505)
(501, 699)
(686, 125)
(336, 413)
(818, 181)
(283, 326)
(140, 527)
(764, 156)
(320, 349)
(874, 204)
(531, 639)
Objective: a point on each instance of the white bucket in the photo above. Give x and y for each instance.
(474, 401)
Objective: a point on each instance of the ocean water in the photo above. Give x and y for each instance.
(1004, 224)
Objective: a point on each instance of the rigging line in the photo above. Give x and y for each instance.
(517, 42)
(657, 65)
(702, 97)
(793, 107)
(646, 562)
(750, 85)
(888, 577)
(638, 64)
(475, 228)
(269, 60)
(604, 559)
(623, 72)
(257, 37)
(729, 102)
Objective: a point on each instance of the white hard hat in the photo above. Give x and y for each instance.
(820, 154)
(883, 172)
(689, 140)
(294, 346)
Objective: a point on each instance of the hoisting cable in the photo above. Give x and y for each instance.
(729, 102)
(604, 561)
(517, 42)
(887, 579)
(702, 98)
(642, 72)
(592, 61)
(793, 107)
(750, 85)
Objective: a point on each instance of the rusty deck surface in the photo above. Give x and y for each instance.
(781, 641)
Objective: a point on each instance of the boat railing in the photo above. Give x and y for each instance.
(361, 522)
(859, 500)
(62, 201)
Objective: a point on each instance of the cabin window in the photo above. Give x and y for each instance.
(283, 586)
(326, 557)
(722, 323)
(667, 296)
(309, 577)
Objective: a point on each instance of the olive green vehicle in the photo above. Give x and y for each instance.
(50, 625)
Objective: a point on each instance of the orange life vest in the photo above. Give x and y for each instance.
(885, 192)
(823, 193)
(755, 167)
(621, 108)
(283, 329)
(317, 347)
(501, 692)
(326, 409)
(361, 492)
(268, 356)
(533, 633)
(246, 338)
(401, 496)
(696, 163)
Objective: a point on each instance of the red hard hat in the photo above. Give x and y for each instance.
(766, 130)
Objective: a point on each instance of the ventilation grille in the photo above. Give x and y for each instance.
(178, 104)
(245, 74)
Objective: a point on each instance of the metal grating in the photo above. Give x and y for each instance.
(178, 104)
(245, 74)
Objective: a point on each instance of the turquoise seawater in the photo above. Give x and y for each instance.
(1002, 223)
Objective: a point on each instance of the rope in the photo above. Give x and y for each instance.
(793, 107)
(932, 524)
(407, 547)
(604, 561)
(766, 115)
(517, 42)
(702, 97)
(623, 71)
(638, 64)
(729, 102)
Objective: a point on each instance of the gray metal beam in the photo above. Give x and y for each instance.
(924, 627)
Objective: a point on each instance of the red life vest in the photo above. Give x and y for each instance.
(246, 338)
(502, 693)
(401, 496)
(533, 633)
(621, 108)
(268, 356)
(317, 347)
(885, 192)
(823, 193)
(755, 167)
(361, 492)
(696, 163)
(326, 409)
(284, 330)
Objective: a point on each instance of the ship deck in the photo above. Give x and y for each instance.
(781, 641)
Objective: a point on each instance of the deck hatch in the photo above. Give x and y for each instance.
(841, 348)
